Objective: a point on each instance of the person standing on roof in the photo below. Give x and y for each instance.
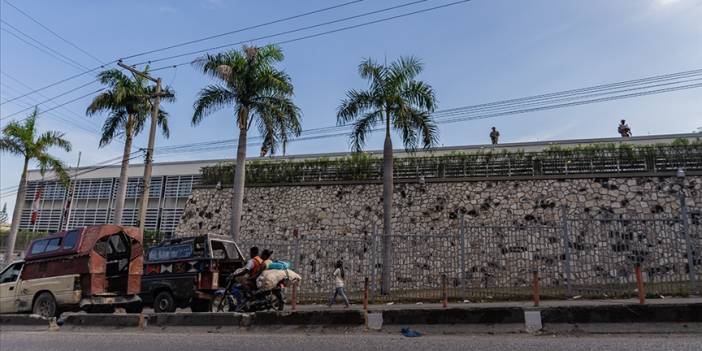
(624, 129)
(494, 136)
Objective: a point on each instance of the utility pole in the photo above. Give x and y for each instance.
(72, 193)
(155, 110)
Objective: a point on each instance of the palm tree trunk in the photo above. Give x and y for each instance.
(239, 175)
(387, 209)
(17, 214)
(123, 179)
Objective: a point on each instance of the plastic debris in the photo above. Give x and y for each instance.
(410, 333)
(390, 303)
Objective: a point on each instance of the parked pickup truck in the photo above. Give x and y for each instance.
(94, 268)
(186, 272)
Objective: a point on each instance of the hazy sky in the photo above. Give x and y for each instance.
(477, 52)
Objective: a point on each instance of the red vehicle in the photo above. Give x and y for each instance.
(93, 268)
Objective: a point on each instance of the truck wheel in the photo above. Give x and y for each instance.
(164, 302)
(45, 305)
(200, 305)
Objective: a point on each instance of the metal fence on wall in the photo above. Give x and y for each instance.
(572, 256)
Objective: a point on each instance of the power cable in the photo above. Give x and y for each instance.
(50, 99)
(41, 47)
(280, 20)
(284, 32)
(54, 33)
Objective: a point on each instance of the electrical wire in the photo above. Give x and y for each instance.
(41, 47)
(50, 99)
(54, 33)
(280, 20)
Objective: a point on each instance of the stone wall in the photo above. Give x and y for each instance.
(353, 210)
(511, 228)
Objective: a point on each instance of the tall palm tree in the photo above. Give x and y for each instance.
(260, 94)
(397, 101)
(24, 140)
(127, 104)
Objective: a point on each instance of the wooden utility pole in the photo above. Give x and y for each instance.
(155, 111)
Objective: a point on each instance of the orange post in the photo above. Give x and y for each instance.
(293, 298)
(640, 285)
(365, 294)
(536, 288)
(444, 289)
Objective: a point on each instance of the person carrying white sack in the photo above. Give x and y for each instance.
(339, 284)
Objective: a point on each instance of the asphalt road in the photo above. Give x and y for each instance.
(114, 341)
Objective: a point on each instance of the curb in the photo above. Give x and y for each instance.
(102, 320)
(633, 313)
(497, 315)
(24, 319)
(316, 318)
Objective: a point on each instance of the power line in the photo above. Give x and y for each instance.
(34, 101)
(116, 60)
(495, 109)
(280, 20)
(385, 19)
(286, 32)
(75, 124)
(54, 33)
(41, 47)
(85, 170)
(50, 99)
(58, 82)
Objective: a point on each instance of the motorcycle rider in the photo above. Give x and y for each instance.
(252, 270)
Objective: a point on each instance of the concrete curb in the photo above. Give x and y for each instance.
(497, 315)
(23, 319)
(632, 313)
(102, 320)
(317, 318)
(197, 319)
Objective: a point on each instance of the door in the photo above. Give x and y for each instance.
(8, 287)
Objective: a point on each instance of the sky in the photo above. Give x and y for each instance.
(475, 52)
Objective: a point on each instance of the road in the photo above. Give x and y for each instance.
(119, 341)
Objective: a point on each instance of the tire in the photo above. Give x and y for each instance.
(278, 300)
(164, 302)
(136, 307)
(221, 304)
(45, 305)
(201, 305)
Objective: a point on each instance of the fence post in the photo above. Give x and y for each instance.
(640, 284)
(296, 249)
(462, 256)
(688, 243)
(293, 298)
(536, 288)
(373, 261)
(566, 249)
(444, 290)
(365, 294)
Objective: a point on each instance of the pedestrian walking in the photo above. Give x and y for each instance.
(494, 136)
(624, 129)
(339, 284)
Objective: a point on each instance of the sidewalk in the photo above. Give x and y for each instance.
(503, 304)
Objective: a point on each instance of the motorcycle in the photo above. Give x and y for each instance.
(225, 299)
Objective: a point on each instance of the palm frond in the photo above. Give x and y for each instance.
(362, 129)
(210, 99)
(356, 103)
(51, 138)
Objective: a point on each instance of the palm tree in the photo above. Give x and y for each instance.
(398, 101)
(260, 94)
(23, 139)
(128, 106)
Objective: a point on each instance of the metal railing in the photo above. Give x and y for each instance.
(621, 160)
